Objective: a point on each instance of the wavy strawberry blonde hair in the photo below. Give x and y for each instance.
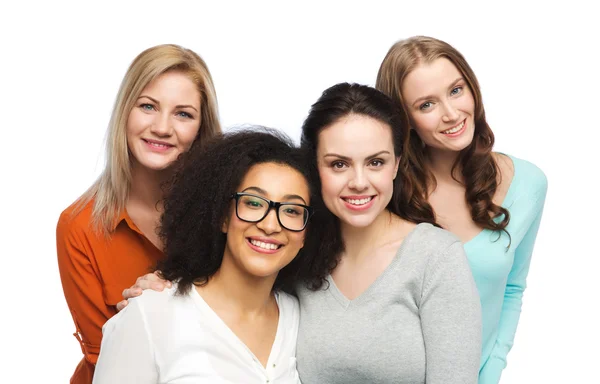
(111, 190)
(475, 163)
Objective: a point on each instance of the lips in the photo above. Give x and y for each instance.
(358, 203)
(264, 245)
(359, 200)
(158, 144)
(456, 130)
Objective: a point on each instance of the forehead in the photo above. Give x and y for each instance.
(277, 180)
(174, 86)
(355, 136)
(430, 78)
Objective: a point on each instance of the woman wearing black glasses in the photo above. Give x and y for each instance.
(234, 220)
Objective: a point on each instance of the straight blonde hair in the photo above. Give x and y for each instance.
(111, 190)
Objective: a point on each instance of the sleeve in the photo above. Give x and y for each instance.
(513, 296)
(82, 287)
(127, 353)
(451, 319)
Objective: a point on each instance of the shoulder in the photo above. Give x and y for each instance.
(288, 302)
(151, 301)
(429, 245)
(150, 308)
(76, 218)
(529, 174)
(430, 238)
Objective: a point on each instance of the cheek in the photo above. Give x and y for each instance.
(137, 122)
(296, 240)
(330, 184)
(425, 125)
(468, 104)
(186, 133)
(385, 181)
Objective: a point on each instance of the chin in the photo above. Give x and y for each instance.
(358, 221)
(156, 165)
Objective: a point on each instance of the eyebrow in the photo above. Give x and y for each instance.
(431, 96)
(177, 106)
(348, 159)
(285, 198)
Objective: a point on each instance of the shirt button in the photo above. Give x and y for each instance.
(273, 365)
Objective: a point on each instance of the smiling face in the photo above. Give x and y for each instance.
(262, 249)
(440, 105)
(357, 166)
(164, 121)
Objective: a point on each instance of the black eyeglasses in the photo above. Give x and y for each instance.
(253, 209)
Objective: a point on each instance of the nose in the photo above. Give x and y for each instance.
(162, 125)
(270, 224)
(359, 181)
(450, 113)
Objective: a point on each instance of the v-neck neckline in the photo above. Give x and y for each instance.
(204, 307)
(346, 302)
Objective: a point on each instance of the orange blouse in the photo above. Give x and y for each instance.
(94, 270)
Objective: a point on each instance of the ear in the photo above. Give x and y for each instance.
(225, 225)
(396, 167)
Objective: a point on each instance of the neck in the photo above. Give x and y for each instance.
(145, 186)
(246, 294)
(359, 241)
(440, 163)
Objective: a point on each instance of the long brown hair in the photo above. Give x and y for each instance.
(337, 102)
(478, 168)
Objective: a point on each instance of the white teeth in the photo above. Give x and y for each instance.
(455, 129)
(359, 201)
(157, 144)
(262, 245)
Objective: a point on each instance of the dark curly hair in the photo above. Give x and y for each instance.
(340, 101)
(476, 164)
(198, 200)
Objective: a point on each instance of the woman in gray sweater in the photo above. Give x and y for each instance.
(398, 303)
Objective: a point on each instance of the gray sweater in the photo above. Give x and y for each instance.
(419, 322)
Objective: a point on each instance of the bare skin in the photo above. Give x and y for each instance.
(448, 198)
(365, 260)
(143, 203)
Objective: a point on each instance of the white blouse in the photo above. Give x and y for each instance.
(163, 338)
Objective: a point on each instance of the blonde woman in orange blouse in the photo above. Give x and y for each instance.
(107, 238)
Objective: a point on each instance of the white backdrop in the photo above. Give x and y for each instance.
(61, 65)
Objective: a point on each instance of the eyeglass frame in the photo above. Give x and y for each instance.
(272, 205)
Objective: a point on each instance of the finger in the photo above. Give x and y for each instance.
(131, 292)
(158, 286)
(121, 304)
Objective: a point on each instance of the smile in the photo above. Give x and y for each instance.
(159, 145)
(359, 203)
(457, 130)
(362, 201)
(264, 246)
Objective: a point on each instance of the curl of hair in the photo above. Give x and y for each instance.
(480, 172)
(345, 99)
(111, 190)
(198, 201)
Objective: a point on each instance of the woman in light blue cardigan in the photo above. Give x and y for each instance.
(493, 202)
